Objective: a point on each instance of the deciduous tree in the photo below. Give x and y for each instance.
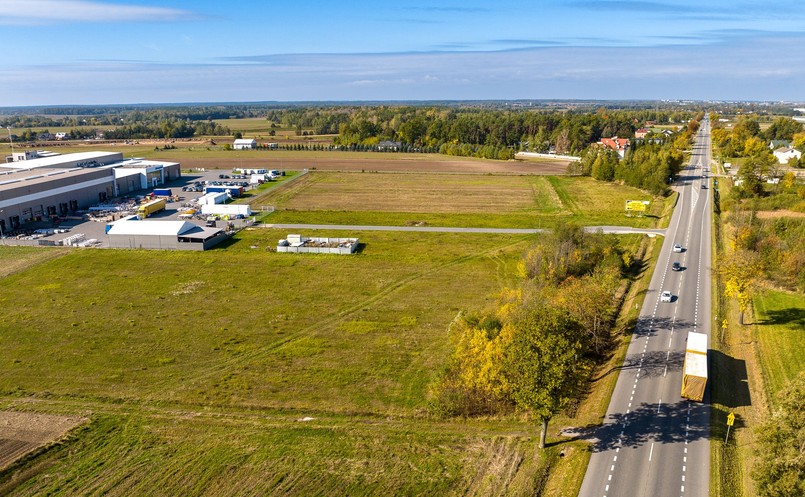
(545, 364)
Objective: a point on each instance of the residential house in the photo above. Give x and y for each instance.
(641, 133)
(785, 154)
(619, 145)
(775, 144)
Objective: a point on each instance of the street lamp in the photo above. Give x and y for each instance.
(11, 141)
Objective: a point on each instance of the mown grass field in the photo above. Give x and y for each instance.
(246, 326)
(195, 369)
(199, 371)
(454, 200)
(779, 324)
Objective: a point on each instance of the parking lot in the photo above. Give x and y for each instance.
(91, 225)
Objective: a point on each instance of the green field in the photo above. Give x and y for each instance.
(241, 371)
(454, 200)
(195, 369)
(779, 324)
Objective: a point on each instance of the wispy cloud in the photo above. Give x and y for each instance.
(450, 10)
(629, 6)
(33, 12)
(749, 68)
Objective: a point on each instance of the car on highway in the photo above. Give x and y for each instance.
(665, 296)
(677, 247)
(676, 266)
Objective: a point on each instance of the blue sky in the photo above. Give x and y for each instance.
(136, 51)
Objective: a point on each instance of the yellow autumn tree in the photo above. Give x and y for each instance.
(739, 274)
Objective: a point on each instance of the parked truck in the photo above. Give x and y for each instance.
(151, 207)
(694, 373)
(162, 192)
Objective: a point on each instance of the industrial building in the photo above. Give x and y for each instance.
(34, 189)
(166, 235)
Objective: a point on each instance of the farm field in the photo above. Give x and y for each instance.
(200, 154)
(453, 200)
(249, 327)
(243, 371)
(229, 369)
(203, 363)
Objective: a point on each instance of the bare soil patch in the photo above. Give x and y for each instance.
(448, 165)
(23, 432)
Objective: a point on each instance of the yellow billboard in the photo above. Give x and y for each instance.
(636, 205)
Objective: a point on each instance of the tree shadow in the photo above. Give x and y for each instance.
(790, 316)
(732, 388)
(648, 326)
(645, 424)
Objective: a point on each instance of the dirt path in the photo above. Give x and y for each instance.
(427, 164)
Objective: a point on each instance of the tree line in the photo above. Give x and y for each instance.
(536, 349)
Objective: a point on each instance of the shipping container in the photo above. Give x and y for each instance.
(163, 192)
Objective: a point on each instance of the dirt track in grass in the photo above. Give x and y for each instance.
(426, 164)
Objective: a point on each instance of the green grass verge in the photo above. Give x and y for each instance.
(779, 324)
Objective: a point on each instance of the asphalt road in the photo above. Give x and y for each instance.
(653, 443)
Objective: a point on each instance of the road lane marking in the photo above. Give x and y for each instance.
(650, 452)
(658, 406)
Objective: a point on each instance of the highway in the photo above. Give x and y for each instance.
(653, 443)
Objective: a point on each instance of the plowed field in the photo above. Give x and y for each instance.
(22, 432)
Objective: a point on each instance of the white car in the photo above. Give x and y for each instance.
(677, 247)
(665, 296)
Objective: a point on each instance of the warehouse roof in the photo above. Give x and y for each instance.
(28, 178)
(76, 159)
(153, 228)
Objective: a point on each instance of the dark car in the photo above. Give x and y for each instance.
(676, 266)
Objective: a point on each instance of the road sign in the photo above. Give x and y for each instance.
(730, 421)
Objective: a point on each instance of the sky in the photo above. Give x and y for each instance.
(60, 52)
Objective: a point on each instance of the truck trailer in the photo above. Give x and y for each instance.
(162, 192)
(234, 191)
(151, 207)
(231, 210)
(694, 373)
(213, 198)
